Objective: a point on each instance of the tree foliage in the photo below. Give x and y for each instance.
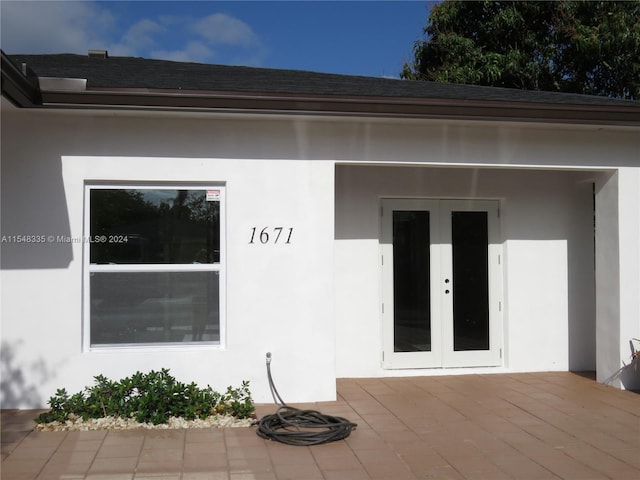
(590, 47)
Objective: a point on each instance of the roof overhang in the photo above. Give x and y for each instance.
(19, 85)
(342, 105)
(24, 90)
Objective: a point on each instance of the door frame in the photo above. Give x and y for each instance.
(442, 354)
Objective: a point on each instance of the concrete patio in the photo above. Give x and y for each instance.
(506, 426)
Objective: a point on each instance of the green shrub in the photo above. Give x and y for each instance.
(148, 398)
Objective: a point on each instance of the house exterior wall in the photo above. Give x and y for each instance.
(278, 296)
(547, 232)
(618, 280)
(629, 221)
(548, 279)
(311, 303)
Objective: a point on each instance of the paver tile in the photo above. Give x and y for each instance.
(113, 465)
(205, 476)
(358, 473)
(298, 472)
(514, 426)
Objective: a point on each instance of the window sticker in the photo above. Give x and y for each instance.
(213, 196)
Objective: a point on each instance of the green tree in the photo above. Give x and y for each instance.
(590, 47)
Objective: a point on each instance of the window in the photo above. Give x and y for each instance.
(153, 265)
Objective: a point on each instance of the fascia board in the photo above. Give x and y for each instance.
(141, 99)
(20, 88)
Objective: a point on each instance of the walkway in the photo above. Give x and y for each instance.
(515, 426)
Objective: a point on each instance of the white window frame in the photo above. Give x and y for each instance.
(89, 268)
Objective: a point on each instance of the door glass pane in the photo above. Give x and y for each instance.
(411, 283)
(154, 307)
(469, 238)
(154, 226)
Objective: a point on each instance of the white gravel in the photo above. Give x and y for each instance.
(117, 423)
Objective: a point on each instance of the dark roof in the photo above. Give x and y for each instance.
(128, 83)
(141, 73)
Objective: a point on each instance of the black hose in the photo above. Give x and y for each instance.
(300, 427)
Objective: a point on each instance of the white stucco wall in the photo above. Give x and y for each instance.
(629, 223)
(618, 281)
(278, 296)
(547, 231)
(547, 238)
(313, 304)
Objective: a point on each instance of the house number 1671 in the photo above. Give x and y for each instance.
(271, 235)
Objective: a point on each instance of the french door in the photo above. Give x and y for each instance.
(441, 283)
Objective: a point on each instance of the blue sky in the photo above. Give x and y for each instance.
(370, 38)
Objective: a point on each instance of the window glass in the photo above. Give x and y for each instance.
(154, 307)
(470, 246)
(154, 266)
(154, 226)
(411, 282)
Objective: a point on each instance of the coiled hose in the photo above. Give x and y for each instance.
(293, 426)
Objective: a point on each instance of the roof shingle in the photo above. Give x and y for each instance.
(140, 73)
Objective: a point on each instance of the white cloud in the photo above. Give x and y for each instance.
(141, 34)
(192, 52)
(140, 37)
(218, 38)
(220, 28)
(53, 27)
(78, 26)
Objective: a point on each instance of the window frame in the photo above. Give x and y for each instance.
(89, 268)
